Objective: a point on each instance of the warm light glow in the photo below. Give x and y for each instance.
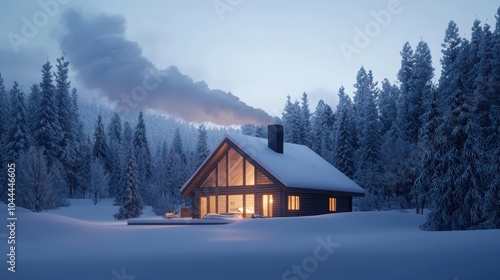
(293, 202)
(270, 200)
(332, 204)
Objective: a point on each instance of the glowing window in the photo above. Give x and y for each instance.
(332, 204)
(222, 172)
(293, 202)
(235, 168)
(210, 181)
(249, 174)
(235, 203)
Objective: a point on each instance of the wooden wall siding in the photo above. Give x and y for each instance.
(317, 204)
(261, 179)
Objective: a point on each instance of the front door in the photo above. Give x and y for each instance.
(267, 205)
(203, 206)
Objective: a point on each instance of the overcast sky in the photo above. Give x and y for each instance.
(260, 51)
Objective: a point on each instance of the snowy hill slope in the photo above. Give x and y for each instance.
(360, 245)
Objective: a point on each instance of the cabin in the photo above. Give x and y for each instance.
(259, 177)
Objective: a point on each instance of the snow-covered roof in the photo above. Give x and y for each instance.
(297, 167)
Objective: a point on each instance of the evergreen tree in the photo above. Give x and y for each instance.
(448, 79)
(427, 151)
(404, 76)
(387, 101)
(176, 167)
(344, 148)
(48, 132)
(456, 188)
(420, 89)
(305, 121)
(115, 129)
(82, 171)
(17, 138)
(323, 131)
(202, 150)
(132, 202)
(100, 149)
(98, 181)
(144, 160)
(367, 121)
(261, 131)
(33, 106)
(82, 153)
(115, 154)
(63, 101)
(141, 147)
(36, 190)
(248, 129)
(291, 120)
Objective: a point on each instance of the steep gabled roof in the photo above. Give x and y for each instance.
(297, 167)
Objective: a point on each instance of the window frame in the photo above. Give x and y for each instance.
(332, 204)
(293, 202)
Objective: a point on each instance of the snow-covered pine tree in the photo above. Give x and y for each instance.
(387, 100)
(343, 151)
(141, 147)
(291, 121)
(368, 128)
(305, 121)
(367, 122)
(323, 131)
(82, 171)
(17, 137)
(248, 129)
(33, 107)
(144, 160)
(82, 152)
(132, 202)
(99, 181)
(491, 207)
(101, 149)
(404, 77)
(261, 131)
(457, 189)
(35, 190)
(427, 150)
(202, 151)
(48, 131)
(448, 79)
(115, 153)
(115, 129)
(176, 168)
(63, 101)
(420, 89)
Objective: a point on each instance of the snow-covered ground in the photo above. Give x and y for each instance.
(84, 242)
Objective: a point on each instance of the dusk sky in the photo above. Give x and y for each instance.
(260, 51)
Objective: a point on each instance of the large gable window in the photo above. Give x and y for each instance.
(233, 170)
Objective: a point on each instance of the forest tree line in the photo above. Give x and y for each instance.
(418, 144)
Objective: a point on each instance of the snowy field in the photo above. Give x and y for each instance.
(84, 242)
